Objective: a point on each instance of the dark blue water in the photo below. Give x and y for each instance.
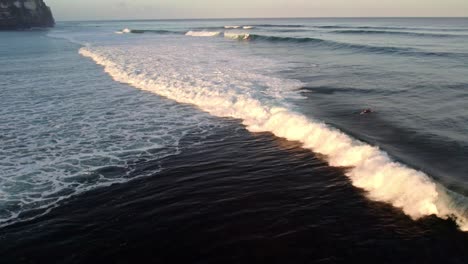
(235, 141)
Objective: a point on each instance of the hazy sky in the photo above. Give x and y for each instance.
(163, 9)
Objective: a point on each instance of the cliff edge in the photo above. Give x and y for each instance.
(24, 14)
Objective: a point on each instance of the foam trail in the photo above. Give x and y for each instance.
(231, 27)
(202, 34)
(370, 168)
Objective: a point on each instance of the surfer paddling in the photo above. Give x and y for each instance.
(366, 111)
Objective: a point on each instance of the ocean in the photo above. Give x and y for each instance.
(235, 141)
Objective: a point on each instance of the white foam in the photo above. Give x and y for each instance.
(237, 36)
(231, 27)
(124, 31)
(58, 149)
(247, 27)
(202, 34)
(370, 168)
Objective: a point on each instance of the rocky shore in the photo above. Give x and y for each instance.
(24, 14)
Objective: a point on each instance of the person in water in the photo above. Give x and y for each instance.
(366, 111)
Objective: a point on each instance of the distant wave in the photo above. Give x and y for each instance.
(364, 27)
(355, 47)
(255, 37)
(309, 40)
(222, 28)
(333, 90)
(203, 33)
(236, 36)
(383, 32)
(292, 30)
(141, 31)
(391, 28)
(279, 25)
(238, 27)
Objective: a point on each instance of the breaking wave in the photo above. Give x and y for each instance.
(203, 33)
(369, 168)
(236, 36)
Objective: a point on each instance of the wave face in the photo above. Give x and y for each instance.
(236, 90)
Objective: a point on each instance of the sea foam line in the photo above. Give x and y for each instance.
(370, 168)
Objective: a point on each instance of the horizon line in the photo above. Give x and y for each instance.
(240, 18)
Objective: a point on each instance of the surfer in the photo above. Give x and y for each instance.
(366, 111)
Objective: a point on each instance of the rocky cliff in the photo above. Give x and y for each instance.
(24, 14)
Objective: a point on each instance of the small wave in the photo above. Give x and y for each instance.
(203, 33)
(382, 32)
(328, 43)
(236, 36)
(291, 30)
(359, 27)
(279, 26)
(333, 90)
(355, 47)
(392, 28)
(284, 39)
(124, 31)
(142, 31)
(215, 28)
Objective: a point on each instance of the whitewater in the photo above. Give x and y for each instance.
(226, 84)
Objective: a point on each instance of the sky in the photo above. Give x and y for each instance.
(174, 9)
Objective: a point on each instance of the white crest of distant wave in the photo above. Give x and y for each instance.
(202, 33)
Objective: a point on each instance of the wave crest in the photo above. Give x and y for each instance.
(236, 36)
(203, 33)
(369, 168)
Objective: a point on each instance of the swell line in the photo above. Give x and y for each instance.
(361, 48)
(391, 28)
(403, 33)
(354, 47)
